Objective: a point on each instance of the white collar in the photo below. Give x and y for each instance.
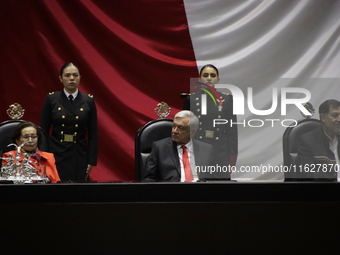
(75, 94)
(188, 145)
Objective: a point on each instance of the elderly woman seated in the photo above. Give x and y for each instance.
(29, 133)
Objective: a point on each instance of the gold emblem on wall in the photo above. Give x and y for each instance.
(15, 111)
(162, 110)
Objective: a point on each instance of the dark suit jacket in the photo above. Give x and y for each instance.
(163, 163)
(314, 149)
(80, 118)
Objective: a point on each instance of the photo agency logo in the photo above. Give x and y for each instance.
(239, 104)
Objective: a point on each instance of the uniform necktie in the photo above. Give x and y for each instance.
(186, 165)
(70, 97)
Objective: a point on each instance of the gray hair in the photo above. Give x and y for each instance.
(193, 118)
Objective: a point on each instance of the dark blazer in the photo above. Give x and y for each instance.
(163, 163)
(314, 149)
(78, 118)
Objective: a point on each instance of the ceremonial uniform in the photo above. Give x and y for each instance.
(222, 137)
(71, 122)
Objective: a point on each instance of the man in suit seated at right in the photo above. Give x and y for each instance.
(180, 158)
(319, 151)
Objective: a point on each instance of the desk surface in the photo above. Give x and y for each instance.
(170, 192)
(170, 218)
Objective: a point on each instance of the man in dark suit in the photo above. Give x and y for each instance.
(167, 159)
(319, 150)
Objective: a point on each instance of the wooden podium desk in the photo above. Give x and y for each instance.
(170, 218)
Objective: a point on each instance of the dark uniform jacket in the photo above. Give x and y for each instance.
(222, 137)
(315, 160)
(163, 163)
(71, 123)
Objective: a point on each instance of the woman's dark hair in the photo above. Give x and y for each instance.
(67, 65)
(208, 65)
(17, 131)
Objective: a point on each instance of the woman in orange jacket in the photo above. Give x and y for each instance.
(29, 133)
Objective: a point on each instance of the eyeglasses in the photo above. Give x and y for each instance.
(27, 137)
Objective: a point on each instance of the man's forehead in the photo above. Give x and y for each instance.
(334, 109)
(182, 120)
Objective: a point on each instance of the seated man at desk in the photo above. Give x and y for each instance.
(318, 151)
(180, 158)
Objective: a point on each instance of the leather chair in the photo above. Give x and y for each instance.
(290, 142)
(152, 131)
(6, 131)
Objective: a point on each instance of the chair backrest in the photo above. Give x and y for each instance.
(152, 131)
(291, 138)
(6, 131)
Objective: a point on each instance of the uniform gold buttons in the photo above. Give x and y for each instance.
(63, 116)
(201, 137)
(197, 103)
(218, 129)
(217, 138)
(63, 125)
(77, 117)
(76, 125)
(81, 109)
(59, 109)
(197, 98)
(75, 133)
(219, 116)
(62, 132)
(198, 110)
(200, 123)
(61, 141)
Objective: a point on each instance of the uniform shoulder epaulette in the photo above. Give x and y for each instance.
(90, 96)
(51, 93)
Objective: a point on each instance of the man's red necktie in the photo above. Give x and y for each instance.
(186, 164)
